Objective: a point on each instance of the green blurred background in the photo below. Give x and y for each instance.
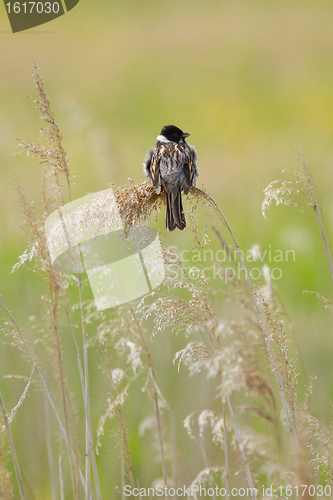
(246, 79)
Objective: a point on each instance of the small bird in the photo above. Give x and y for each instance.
(172, 164)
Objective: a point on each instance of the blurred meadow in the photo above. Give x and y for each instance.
(248, 81)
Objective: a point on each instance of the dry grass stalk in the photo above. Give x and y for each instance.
(24, 344)
(6, 487)
(239, 440)
(12, 449)
(126, 332)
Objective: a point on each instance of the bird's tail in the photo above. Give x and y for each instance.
(175, 214)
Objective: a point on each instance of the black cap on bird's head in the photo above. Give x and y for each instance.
(173, 133)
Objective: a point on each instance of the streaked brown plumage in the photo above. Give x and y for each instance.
(171, 165)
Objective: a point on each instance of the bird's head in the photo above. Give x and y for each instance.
(171, 133)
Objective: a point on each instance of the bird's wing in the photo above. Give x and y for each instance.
(155, 168)
(190, 168)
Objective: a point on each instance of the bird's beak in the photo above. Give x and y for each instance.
(185, 134)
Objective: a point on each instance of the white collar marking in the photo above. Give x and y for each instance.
(161, 138)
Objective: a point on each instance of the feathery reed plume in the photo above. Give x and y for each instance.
(300, 193)
(136, 203)
(54, 155)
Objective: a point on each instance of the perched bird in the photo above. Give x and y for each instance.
(172, 164)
